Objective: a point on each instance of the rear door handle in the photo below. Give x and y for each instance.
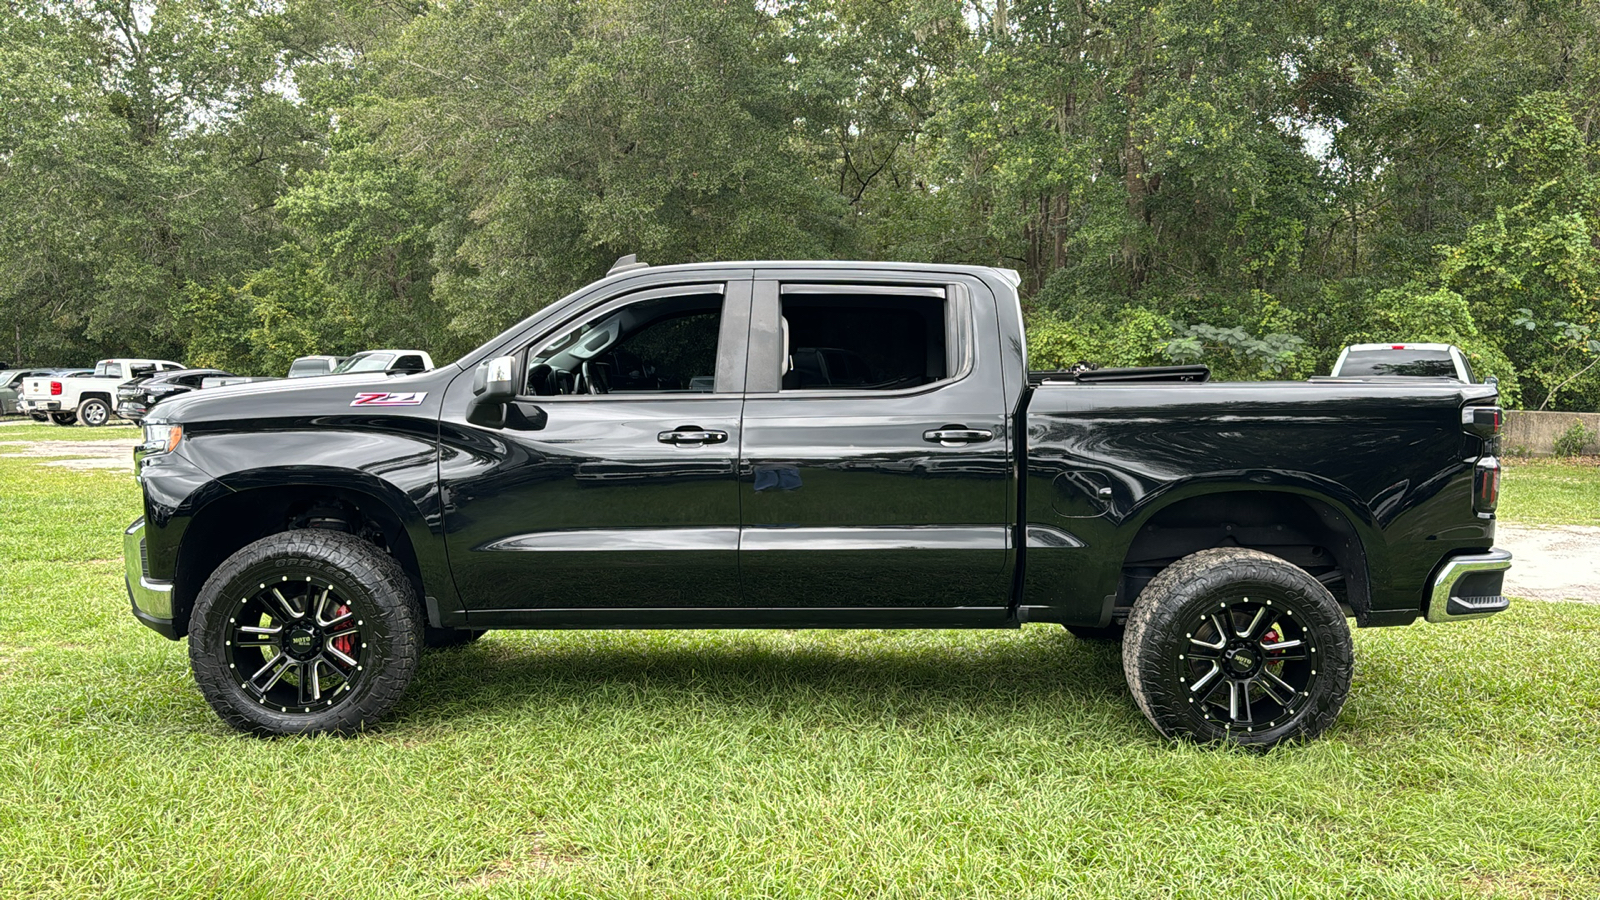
(692, 436)
(953, 436)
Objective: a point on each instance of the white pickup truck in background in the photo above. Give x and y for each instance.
(1442, 361)
(91, 398)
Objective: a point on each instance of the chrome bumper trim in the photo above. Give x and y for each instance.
(1443, 603)
(153, 598)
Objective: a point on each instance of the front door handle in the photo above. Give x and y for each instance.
(692, 436)
(955, 435)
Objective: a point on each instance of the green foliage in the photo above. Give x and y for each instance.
(1234, 352)
(1537, 258)
(187, 178)
(1572, 441)
(1135, 336)
(1418, 313)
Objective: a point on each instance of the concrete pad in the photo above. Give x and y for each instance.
(1552, 562)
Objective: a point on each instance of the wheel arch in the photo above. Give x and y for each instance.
(366, 507)
(1301, 526)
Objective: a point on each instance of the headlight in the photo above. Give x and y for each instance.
(162, 438)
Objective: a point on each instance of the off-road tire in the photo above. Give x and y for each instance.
(373, 587)
(1161, 675)
(440, 638)
(1112, 633)
(64, 418)
(39, 417)
(94, 412)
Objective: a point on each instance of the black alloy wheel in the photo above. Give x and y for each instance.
(305, 632)
(300, 643)
(1238, 646)
(94, 412)
(1249, 663)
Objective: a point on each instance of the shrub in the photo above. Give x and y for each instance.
(1132, 336)
(1574, 439)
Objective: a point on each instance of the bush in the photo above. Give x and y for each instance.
(1134, 336)
(1418, 313)
(1574, 439)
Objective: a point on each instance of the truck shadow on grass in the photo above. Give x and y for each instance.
(888, 678)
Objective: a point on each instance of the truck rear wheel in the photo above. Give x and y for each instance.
(64, 418)
(305, 632)
(1238, 646)
(94, 412)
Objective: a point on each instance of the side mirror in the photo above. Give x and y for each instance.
(493, 383)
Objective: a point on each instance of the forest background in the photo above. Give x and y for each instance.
(1248, 184)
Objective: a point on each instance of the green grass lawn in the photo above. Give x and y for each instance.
(1549, 492)
(772, 764)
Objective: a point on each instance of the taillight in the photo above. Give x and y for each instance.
(1486, 486)
(55, 388)
(1483, 421)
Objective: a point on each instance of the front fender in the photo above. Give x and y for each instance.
(391, 462)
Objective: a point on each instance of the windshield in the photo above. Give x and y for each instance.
(365, 362)
(1415, 363)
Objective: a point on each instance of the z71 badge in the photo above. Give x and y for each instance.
(380, 398)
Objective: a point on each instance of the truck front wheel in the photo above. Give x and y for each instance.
(1238, 646)
(305, 632)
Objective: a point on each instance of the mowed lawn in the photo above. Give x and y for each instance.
(766, 764)
(1550, 491)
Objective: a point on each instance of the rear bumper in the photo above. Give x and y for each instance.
(39, 406)
(152, 600)
(1469, 587)
(132, 411)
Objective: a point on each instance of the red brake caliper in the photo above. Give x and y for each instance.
(1270, 638)
(345, 644)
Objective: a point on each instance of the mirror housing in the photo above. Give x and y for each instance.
(494, 382)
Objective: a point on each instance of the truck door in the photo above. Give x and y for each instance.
(611, 484)
(875, 472)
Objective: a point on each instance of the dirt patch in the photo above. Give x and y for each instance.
(109, 454)
(538, 858)
(1552, 562)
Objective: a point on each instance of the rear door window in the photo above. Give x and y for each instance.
(842, 340)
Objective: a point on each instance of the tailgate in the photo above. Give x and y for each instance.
(36, 388)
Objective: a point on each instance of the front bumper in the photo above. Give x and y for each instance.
(1470, 587)
(152, 600)
(132, 411)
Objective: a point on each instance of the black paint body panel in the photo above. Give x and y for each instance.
(1391, 459)
(820, 508)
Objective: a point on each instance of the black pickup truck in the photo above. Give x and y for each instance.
(808, 445)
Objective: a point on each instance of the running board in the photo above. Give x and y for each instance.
(655, 618)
